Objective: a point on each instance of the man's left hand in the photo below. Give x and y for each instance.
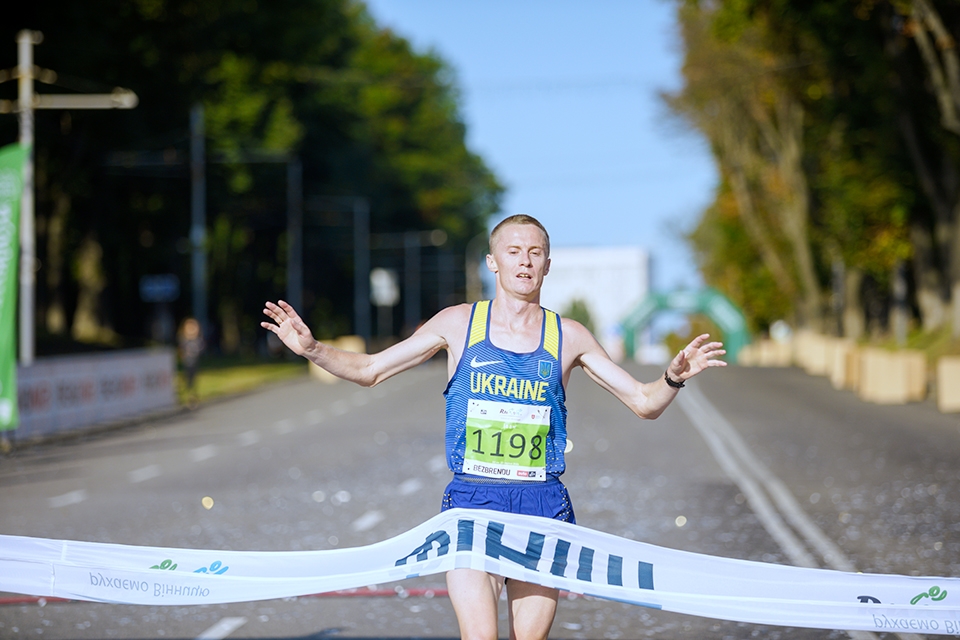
(695, 357)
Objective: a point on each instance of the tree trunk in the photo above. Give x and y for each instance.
(755, 229)
(91, 280)
(940, 58)
(55, 317)
(854, 322)
(927, 277)
(229, 328)
(932, 289)
(954, 275)
(786, 141)
(737, 157)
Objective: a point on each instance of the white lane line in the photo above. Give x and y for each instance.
(144, 473)
(367, 521)
(719, 435)
(704, 419)
(409, 486)
(339, 407)
(788, 505)
(205, 452)
(73, 497)
(284, 426)
(314, 417)
(222, 629)
(248, 438)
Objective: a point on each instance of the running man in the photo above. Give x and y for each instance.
(505, 357)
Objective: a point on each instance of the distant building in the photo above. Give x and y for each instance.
(610, 281)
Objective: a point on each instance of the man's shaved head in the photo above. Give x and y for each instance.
(520, 218)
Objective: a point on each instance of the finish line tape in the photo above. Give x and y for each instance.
(538, 550)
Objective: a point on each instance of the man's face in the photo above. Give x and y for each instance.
(519, 258)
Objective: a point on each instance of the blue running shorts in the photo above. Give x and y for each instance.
(545, 499)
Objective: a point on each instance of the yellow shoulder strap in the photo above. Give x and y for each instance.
(478, 326)
(551, 334)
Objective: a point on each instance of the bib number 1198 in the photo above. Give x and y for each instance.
(506, 440)
(517, 445)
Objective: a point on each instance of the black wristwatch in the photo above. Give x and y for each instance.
(675, 385)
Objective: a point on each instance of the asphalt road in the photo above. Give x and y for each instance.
(768, 465)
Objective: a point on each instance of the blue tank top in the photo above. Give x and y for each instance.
(506, 416)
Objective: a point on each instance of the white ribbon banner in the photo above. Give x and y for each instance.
(538, 550)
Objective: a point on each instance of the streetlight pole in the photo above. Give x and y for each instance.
(198, 216)
(361, 267)
(295, 232)
(27, 103)
(25, 41)
(411, 280)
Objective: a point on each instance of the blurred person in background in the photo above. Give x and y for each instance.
(190, 345)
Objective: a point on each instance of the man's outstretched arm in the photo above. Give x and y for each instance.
(647, 400)
(361, 368)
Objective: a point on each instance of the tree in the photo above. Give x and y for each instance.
(795, 98)
(579, 311)
(734, 94)
(367, 115)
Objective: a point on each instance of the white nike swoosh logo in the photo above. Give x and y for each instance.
(475, 364)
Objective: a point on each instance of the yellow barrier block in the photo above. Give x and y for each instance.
(814, 354)
(892, 377)
(843, 370)
(749, 356)
(766, 353)
(948, 384)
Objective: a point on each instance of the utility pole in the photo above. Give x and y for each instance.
(295, 233)
(198, 217)
(411, 280)
(25, 41)
(361, 268)
(27, 102)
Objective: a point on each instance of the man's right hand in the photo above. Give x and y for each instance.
(289, 327)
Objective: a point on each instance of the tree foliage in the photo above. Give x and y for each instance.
(834, 128)
(367, 115)
(578, 310)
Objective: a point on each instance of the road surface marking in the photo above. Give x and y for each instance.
(314, 417)
(751, 475)
(367, 521)
(248, 438)
(222, 629)
(205, 452)
(144, 473)
(705, 418)
(73, 497)
(284, 426)
(409, 486)
(339, 407)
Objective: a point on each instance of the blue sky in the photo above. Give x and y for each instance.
(561, 98)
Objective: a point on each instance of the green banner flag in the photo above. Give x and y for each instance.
(12, 158)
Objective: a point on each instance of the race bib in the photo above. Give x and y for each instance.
(506, 440)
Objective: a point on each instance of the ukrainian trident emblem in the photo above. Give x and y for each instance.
(546, 368)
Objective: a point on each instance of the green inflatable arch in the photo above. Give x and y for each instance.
(709, 302)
